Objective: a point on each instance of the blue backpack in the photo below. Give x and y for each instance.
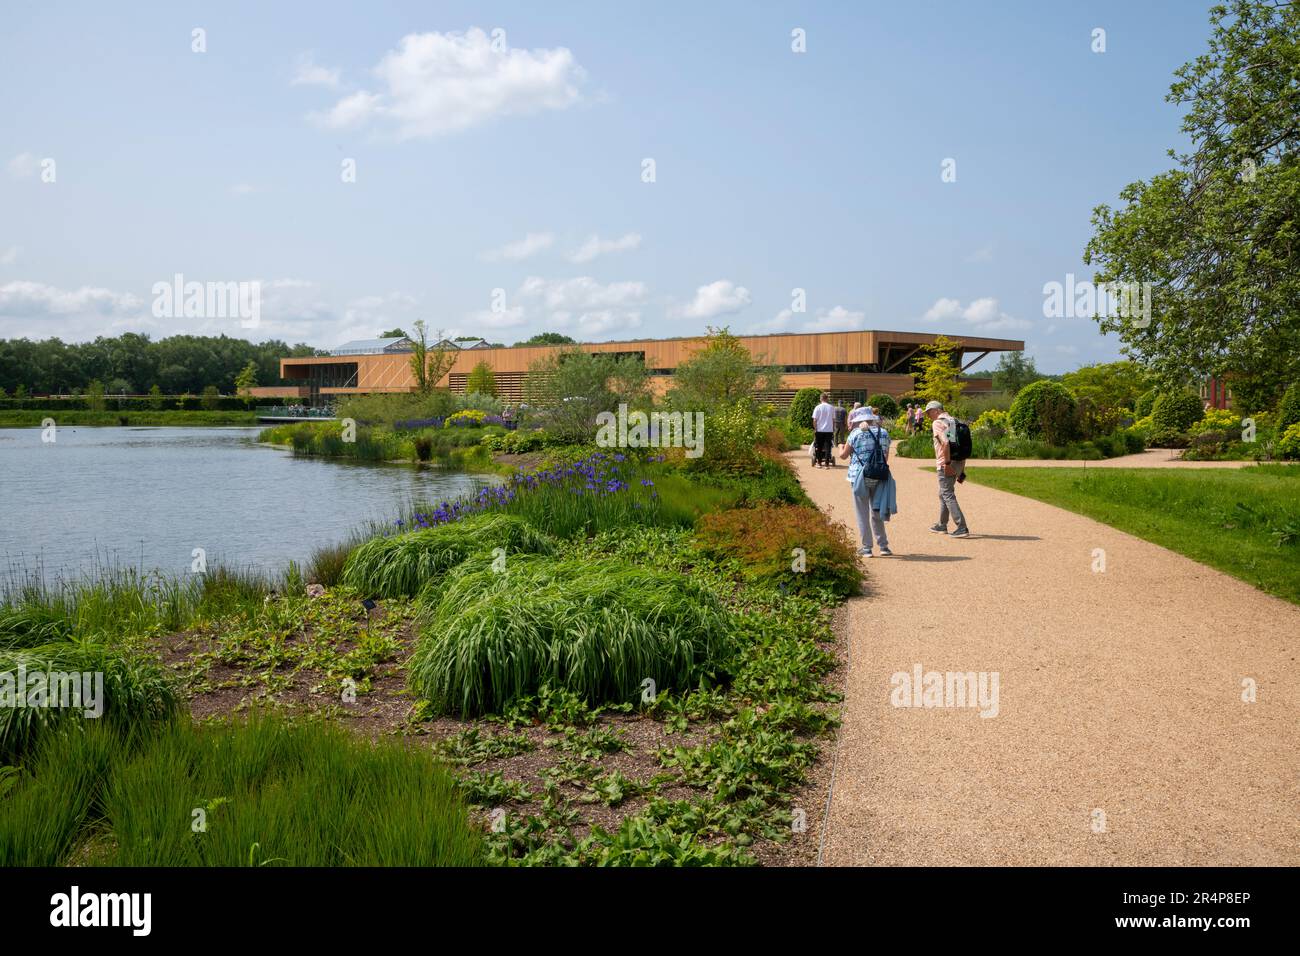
(875, 468)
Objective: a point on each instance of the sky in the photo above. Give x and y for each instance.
(606, 170)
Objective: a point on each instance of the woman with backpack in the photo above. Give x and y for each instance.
(867, 451)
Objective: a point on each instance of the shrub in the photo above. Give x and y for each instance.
(993, 423)
(597, 629)
(885, 405)
(326, 564)
(732, 434)
(1142, 407)
(763, 540)
(401, 565)
(1046, 410)
(1288, 410)
(1171, 416)
(1289, 444)
(1217, 420)
(801, 408)
(518, 442)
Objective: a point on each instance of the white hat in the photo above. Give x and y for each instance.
(931, 406)
(862, 414)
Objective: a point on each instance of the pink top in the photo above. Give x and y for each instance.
(939, 434)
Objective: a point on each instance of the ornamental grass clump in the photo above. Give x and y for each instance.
(401, 565)
(596, 628)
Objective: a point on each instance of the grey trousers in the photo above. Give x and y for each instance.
(870, 523)
(948, 498)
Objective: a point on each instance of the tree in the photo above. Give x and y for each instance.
(20, 390)
(95, 396)
(246, 379)
(547, 338)
(572, 387)
(210, 398)
(719, 374)
(802, 405)
(937, 371)
(393, 334)
(1113, 385)
(481, 381)
(1217, 236)
(1013, 372)
(430, 364)
(155, 398)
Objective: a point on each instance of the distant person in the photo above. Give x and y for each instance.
(823, 417)
(943, 430)
(867, 448)
(908, 422)
(841, 424)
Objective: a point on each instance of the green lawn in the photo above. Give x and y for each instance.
(32, 418)
(1245, 522)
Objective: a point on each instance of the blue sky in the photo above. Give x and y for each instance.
(522, 171)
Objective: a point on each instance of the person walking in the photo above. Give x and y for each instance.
(908, 421)
(867, 451)
(841, 424)
(823, 417)
(943, 431)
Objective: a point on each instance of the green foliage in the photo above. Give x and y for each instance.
(402, 565)
(1288, 409)
(1171, 417)
(547, 338)
(1289, 444)
(247, 378)
(270, 794)
(482, 380)
(1013, 372)
(722, 374)
(732, 435)
(95, 396)
(386, 409)
(937, 372)
(883, 404)
(1143, 404)
(1216, 237)
(1109, 387)
(788, 546)
(1045, 410)
(210, 398)
(136, 690)
(572, 388)
(995, 424)
(801, 407)
(597, 628)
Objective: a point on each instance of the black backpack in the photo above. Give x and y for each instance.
(876, 467)
(961, 450)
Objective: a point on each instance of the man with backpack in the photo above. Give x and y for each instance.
(951, 448)
(867, 449)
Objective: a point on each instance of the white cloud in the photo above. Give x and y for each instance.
(596, 246)
(23, 166)
(591, 324)
(308, 73)
(9, 256)
(524, 248)
(582, 294)
(241, 189)
(981, 314)
(717, 298)
(34, 299)
(437, 83)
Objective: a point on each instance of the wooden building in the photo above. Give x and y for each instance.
(849, 365)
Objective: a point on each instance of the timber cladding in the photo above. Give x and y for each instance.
(889, 352)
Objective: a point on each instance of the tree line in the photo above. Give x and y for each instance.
(133, 363)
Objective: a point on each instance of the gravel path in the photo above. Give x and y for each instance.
(1121, 736)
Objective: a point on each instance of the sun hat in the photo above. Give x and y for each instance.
(862, 414)
(931, 406)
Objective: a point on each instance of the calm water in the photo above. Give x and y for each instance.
(147, 497)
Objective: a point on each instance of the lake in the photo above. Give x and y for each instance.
(147, 497)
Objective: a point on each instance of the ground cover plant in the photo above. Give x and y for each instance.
(1244, 521)
(259, 793)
